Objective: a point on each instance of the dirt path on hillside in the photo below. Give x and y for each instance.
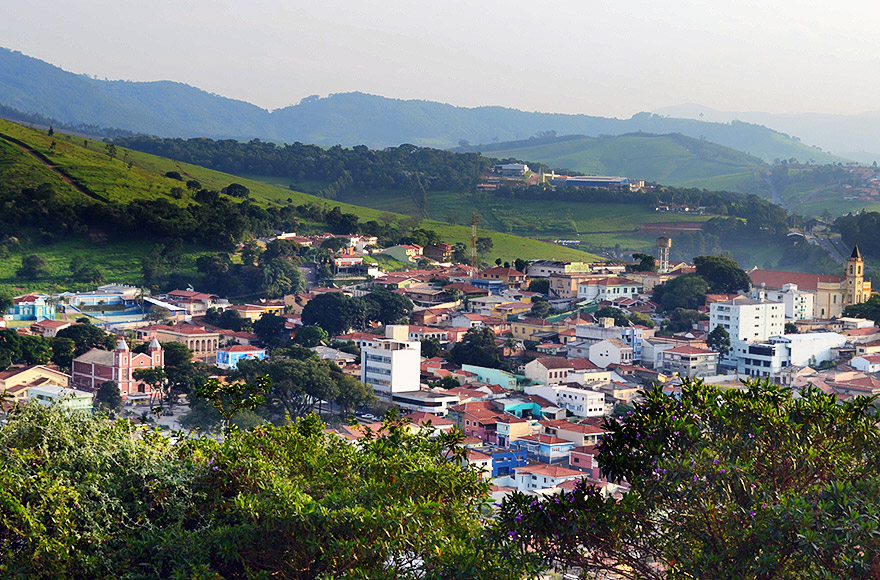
(48, 165)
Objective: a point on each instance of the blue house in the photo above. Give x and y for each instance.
(503, 461)
(544, 448)
(31, 307)
(228, 357)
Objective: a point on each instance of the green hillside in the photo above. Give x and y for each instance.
(132, 176)
(668, 159)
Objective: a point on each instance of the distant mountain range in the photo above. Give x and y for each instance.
(856, 137)
(172, 109)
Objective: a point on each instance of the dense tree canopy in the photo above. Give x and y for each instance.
(753, 484)
(87, 337)
(88, 499)
(688, 291)
(723, 274)
(478, 347)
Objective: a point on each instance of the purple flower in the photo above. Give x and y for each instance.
(215, 468)
(716, 462)
(518, 518)
(752, 513)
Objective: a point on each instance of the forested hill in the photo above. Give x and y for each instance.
(405, 168)
(172, 109)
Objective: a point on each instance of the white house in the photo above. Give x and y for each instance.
(578, 401)
(549, 370)
(611, 351)
(392, 364)
(746, 319)
(867, 364)
(530, 478)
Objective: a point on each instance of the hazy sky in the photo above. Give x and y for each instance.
(614, 57)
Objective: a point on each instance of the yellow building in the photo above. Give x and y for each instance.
(832, 293)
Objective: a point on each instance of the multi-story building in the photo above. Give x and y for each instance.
(610, 351)
(391, 364)
(768, 358)
(607, 289)
(799, 304)
(687, 361)
(746, 319)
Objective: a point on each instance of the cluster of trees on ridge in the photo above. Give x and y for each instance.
(404, 168)
(755, 483)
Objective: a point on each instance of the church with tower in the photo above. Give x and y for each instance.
(832, 293)
(94, 368)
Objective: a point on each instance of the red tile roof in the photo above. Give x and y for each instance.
(778, 279)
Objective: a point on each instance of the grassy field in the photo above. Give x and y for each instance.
(133, 175)
(119, 261)
(667, 159)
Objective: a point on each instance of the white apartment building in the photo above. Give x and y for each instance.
(391, 365)
(768, 358)
(799, 304)
(580, 402)
(748, 320)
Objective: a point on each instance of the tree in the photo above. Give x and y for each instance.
(6, 303)
(390, 307)
(719, 340)
(193, 185)
(298, 386)
(484, 246)
(688, 291)
(250, 253)
(272, 330)
(281, 502)
(158, 381)
(447, 382)
(309, 336)
(280, 277)
(619, 316)
(478, 347)
(237, 190)
(754, 483)
(540, 308)
(87, 337)
(683, 320)
(541, 285)
(81, 270)
(431, 347)
(110, 150)
(108, 400)
(183, 374)
(63, 351)
(869, 309)
(723, 274)
(647, 263)
(35, 350)
(334, 312)
(521, 265)
(33, 266)
(790, 328)
(231, 398)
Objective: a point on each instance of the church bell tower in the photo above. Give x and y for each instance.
(855, 278)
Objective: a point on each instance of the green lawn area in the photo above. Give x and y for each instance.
(118, 261)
